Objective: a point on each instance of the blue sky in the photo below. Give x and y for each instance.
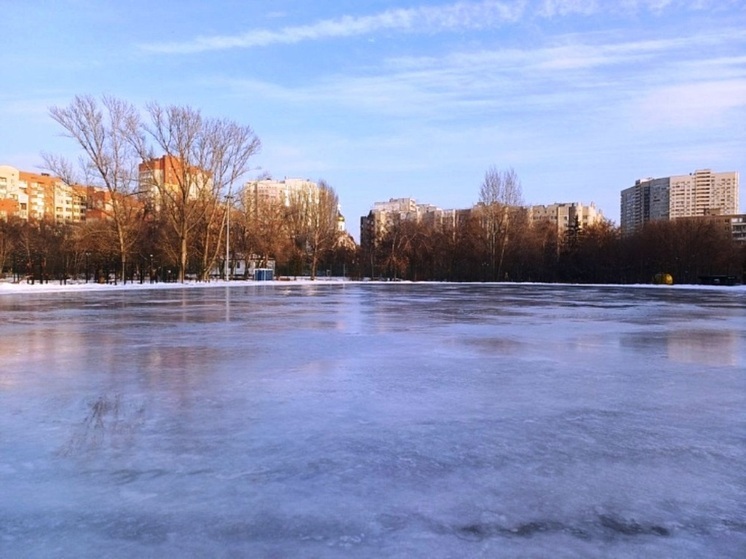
(395, 98)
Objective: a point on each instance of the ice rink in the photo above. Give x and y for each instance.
(373, 420)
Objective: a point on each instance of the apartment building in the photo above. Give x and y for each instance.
(700, 193)
(647, 200)
(70, 203)
(384, 215)
(703, 193)
(563, 215)
(737, 227)
(13, 196)
(264, 193)
(169, 174)
(281, 192)
(396, 210)
(38, 196)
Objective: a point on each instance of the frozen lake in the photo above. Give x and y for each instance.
(369, 420)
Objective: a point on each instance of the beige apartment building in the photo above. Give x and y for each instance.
(384, 214)
(565, 214)
(396, 210)
(270, 192)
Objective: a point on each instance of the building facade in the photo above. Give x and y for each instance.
(13, 196)
(703, 193)
(565, 215)
(647, 200)
(279, 192)
(561, 215)
(38, 196)
(385, 215)
(697, 194)
(264, 193)
(169, 176)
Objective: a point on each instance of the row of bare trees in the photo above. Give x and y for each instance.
(688, 249)
(496, 241)
(300, 236)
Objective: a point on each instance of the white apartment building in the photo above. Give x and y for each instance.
(697, 194)
(13, 196)
(407, 209)
(384, 214)
(703, 193)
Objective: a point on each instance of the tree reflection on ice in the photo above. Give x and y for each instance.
(108, 425)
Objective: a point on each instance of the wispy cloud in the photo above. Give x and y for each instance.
(463, 15)
(693, 104)
(566, 74)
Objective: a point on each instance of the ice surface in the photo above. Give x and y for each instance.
(369, 420)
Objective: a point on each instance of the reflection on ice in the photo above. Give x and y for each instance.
(109, 424)
(374, 421)
(707, 347)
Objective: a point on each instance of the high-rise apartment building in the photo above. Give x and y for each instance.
(647, 200)
(703, 193)
(697, 194)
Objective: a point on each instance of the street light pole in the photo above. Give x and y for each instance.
(228, 200)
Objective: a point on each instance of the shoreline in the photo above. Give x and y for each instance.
(8, 287)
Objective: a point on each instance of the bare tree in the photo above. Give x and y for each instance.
(312, 222)
(264, 226)
(323, 221)
(108, 161)
(203, 157)
(499, 197)
(299, 202)
(7, 245)
(229, 149)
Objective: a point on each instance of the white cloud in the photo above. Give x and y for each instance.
(462, 15)
(694, 104)
(552, 8)
(568, 75)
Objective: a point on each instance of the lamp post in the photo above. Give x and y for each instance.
(228, 200)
